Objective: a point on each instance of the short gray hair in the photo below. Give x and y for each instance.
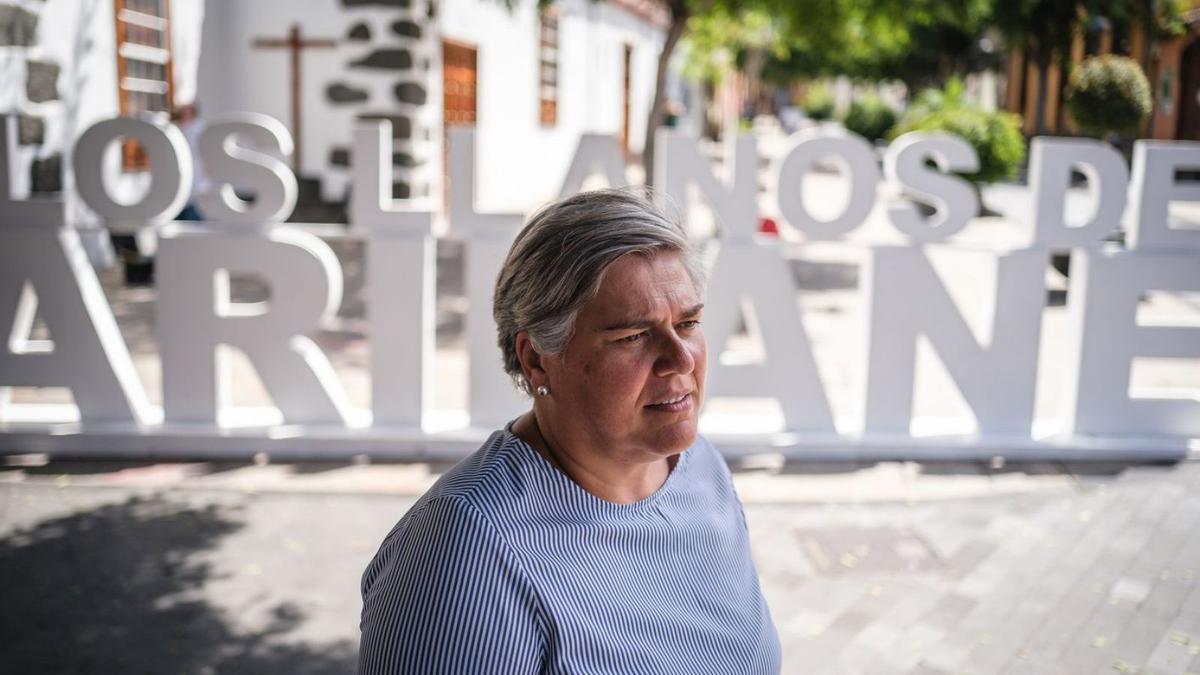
(558, 260)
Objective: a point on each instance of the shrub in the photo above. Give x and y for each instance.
(995, 135)
(818, 102)
(870, 118)
(1108, 93)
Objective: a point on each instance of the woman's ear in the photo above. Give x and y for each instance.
(531, 361)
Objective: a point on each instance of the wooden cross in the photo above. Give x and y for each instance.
(294, 43)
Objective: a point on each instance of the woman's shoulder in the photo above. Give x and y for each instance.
(490, 473)
(484, 480)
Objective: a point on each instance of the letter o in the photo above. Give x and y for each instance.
(862, 172)
(170, 179)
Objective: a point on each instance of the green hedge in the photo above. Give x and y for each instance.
(1108, 93)
(995, 135)
(870, 118)
(818, 102)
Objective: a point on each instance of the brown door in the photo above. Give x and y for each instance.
(1188, 125)
(459, 85)
(627, 61)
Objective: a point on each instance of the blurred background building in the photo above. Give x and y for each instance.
(533, 76)
(530, 79)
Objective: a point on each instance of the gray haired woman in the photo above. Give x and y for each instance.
(598, 532)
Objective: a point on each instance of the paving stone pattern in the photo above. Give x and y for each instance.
(1099, 578)
(898, 572)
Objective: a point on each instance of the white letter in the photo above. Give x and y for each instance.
(401, 261)
(594, 153)
(195, 315)
(680, 163)
(996, 374)
(859, 168)
(748, 271)
(170, 164)
(952, 196)
(1050, 164)
(232, 165)
(1153, 189)
(1102, 310)
(492, 398)
(755, 273)
(42, 263)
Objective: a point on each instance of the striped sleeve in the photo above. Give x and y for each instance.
(445, 595)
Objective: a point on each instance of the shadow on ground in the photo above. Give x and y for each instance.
(118, 589)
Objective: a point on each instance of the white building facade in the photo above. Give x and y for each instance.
(530, 81)
(67, 64)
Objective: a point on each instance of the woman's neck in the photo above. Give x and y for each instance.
(604, 476)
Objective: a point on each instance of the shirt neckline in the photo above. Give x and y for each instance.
(589, 498)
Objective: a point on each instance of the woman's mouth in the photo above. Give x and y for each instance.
(679, 403)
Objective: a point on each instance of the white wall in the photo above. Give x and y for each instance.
(187, 17)
(521, 163)
(235, 77)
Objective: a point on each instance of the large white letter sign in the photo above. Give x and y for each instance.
(492, 399)
(805, 149)
(232, 165)
(680, 163)
(195, 315)
(43, 264)
(1154, 187)
(401, 261)
(170, 162)
(1051, 161)
(1102, 310)
(996, 375)
(952, 196)
(755, 272)
(749, 270)
(595, 153)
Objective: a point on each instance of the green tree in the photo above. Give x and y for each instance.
(870, 118)
(995, 135)
(921, 43)
(1046, 28)
(1109, 94)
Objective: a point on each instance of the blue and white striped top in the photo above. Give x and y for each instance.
(507, 566)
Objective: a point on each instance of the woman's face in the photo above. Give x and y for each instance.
(631, 380)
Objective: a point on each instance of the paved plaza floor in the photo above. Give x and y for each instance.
(891, 568)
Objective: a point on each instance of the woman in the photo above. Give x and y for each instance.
(596, 533)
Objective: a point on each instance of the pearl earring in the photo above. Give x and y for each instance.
(543, 390)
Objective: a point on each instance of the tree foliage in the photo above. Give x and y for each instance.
(995, 135)
(818, 102)
(1109, 93)
(922, 43)
(870, 118)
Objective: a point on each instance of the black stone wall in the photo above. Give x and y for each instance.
(19, 28)
(389, 50)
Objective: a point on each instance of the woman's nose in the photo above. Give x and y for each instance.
(676, 357)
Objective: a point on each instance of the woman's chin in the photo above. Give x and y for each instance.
(677, 437)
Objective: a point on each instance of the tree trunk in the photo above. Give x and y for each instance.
(1043, 64)
(679, 18)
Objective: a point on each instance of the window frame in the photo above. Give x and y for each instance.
(145, 81)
